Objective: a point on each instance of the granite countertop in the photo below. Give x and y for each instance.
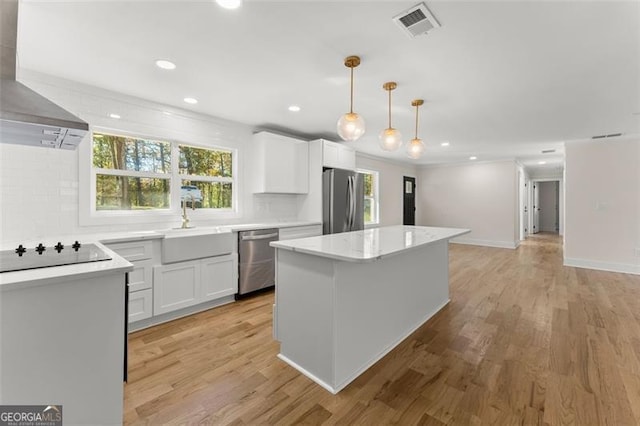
(370, 244)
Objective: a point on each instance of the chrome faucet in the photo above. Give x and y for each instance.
(185, 219)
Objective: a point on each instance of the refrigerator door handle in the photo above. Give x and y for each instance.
(352, 201)
(348, 203)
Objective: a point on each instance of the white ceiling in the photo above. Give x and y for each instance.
(502, 79)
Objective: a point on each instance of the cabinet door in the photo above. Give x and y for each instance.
(346, 158)
(281, 164)
(175, 286)
(141, 277)
(330, 154)
(140, 305)
(219, 277)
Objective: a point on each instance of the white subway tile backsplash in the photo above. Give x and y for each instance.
(43, 184)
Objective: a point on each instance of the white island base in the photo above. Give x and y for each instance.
(337, 314)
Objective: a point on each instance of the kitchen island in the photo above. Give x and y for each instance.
(345, 300)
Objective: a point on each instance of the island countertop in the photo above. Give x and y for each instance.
(369, 244)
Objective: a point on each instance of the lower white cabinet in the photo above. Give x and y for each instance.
(141, 278)
(140, 305)
(175, 286)
(218, 277)
(183, 284)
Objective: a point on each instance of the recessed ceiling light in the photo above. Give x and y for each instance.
(114, 115)
(294, 108)
(444, 144)
(166, 113)
(229, 4)
(191, 101)
(542, 162)
(165, 65)
(473, 157)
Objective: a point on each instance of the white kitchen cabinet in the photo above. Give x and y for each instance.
(281, 164)
(338, 156)
(141, 255)
(140, 305)
(176, 286)
(183, 284)
(300, 232)
(219, 277)
(141, 278)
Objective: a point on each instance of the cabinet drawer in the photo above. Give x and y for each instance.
(300, 232)
(140, 305)
(137, 250)
(141, 277)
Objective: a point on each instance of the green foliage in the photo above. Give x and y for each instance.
(131, 193)
(126, 153)
(204, 162)
(368, 185)
(112, 152)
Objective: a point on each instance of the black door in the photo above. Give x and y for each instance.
(409, 190)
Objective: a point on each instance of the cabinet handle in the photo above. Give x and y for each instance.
(259, 237)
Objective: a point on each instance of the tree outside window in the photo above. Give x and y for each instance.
(137, 174)
(370, 196)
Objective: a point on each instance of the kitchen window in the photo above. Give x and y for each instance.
(136, 174)
(371, 209)
(131, 173)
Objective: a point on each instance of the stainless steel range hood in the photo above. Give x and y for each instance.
(27, 118)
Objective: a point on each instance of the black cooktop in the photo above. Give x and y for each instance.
(23, 258)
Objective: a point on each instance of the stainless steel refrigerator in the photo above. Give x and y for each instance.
(342, 201)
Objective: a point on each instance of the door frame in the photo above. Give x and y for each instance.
(561, 201)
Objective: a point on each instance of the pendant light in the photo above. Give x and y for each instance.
(390, 138)
(415, 147)
(351, 125)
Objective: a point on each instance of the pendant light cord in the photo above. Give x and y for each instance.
(351, 101)
(390, 108)
(417, 106)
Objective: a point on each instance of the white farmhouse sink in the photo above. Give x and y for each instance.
(195, 243)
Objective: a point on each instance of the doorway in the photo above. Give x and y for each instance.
(546, 206)
(549, 206)
(409, 200)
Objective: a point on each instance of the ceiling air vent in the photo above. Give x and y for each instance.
(416, 21)
(612, 135)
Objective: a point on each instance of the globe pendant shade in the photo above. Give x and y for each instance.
(350, 126)
(415, 148)
(390, 139)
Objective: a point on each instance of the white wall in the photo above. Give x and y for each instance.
(602, 229)
(39, 187)
(480, 196)
(390, 187)
(549, 196)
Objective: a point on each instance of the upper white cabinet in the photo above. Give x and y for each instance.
(338, 156)
(281, 164)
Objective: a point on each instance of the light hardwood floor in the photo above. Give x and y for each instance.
(523, 341)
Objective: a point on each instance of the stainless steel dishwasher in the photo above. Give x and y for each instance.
(257, 263)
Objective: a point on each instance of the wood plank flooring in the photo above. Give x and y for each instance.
(523, 341)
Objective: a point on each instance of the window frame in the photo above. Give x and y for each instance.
(89, 215)
(376, 196)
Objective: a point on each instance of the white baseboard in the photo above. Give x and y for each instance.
(486, 243)
(603, 266)
(305, 372)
